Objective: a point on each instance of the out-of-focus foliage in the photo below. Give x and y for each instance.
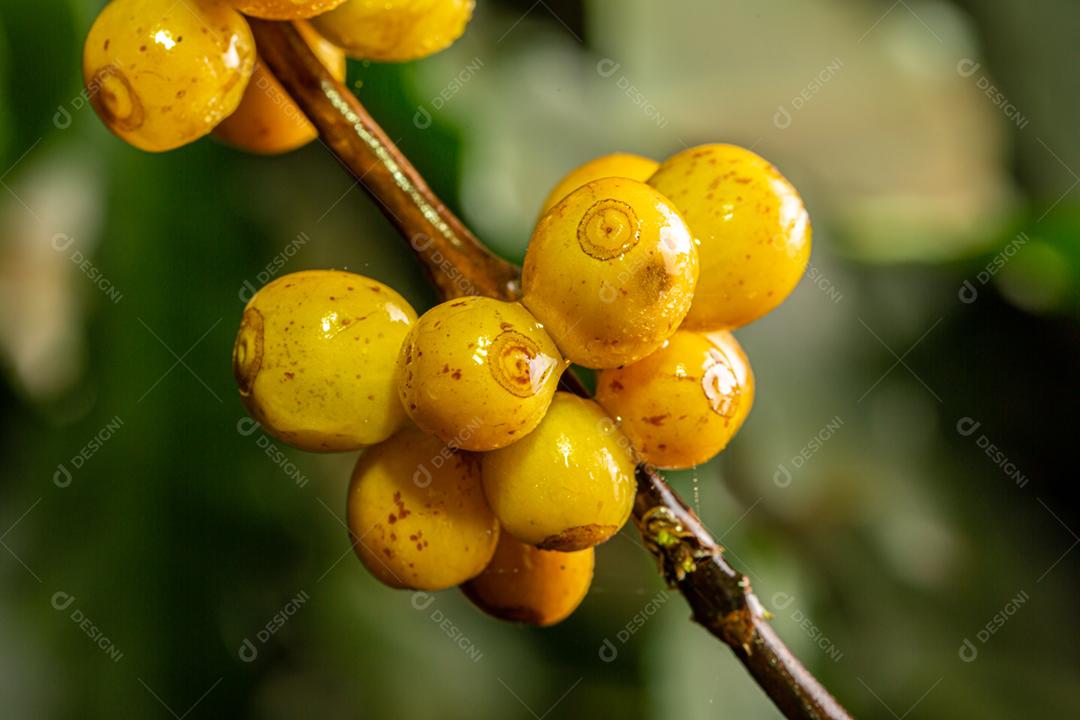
(159, 555)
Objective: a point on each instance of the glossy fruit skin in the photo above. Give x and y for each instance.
(314, 359)
(285, 9)
(753, 230)
(681, 405)
(567, 485)
(528, 585)
(268, 121)
(417, 515)
(395, 30)
(610, 271)
(162, 74)
(624, 165)
(478, 373)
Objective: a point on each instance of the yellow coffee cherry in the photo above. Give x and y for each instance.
(268, 121)
(624, 165)
(610, 271)
(285, 9)
(417, 515)
(478, 373)
(162, 73)
(681, 405)
(567, 485)
(395, 30)
(315, 359)
(753, 230)
(528, 585)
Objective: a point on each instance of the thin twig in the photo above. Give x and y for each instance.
(719, 596)
(722, 600)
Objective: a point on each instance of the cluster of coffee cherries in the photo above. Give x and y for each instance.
(164, 73)
(477, 470)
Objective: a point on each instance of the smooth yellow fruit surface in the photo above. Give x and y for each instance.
(567, 485)
(624, 165)
(417, 514)
(315, 359)
(753, 230)
(268, 121)
(681, 405)
(525, 584)
(610, 271)
(285, 9)
(478, 373)
(395, 30)
(161, 73)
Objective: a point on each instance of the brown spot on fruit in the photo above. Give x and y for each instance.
(654, 280)
(578, 538)
(402, 512)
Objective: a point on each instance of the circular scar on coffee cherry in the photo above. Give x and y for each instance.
(721, 386)
(518, 364)
(248, 350)
(608, 229)
(115, 99)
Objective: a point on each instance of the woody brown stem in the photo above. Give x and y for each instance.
(458, 264)
(722, 600)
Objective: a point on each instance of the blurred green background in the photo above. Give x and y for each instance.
(900, 496)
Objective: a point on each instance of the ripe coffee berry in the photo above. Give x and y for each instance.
(268, 121)
(753, 230)
(525, 584)
(567, 485)
(610, 271)
(478, 373)
(417, 514)
(315, 359)
(161, 74)
(624, 165)
(395, 30)
(682, 404)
